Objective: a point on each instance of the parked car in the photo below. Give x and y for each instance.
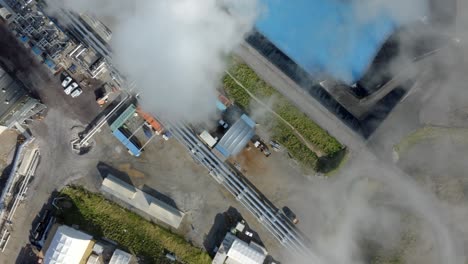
(70, 88)
(76, 92)
(66, 81)
(223, 124)
(166, 135)
(290, 215)
(275, 145)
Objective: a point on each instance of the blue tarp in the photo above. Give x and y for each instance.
(24, 39)
(329, 36)
(36, 50)
(127, 143)
(221, 107)
(49, 63)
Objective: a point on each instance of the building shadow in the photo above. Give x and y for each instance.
(27, 255)
(4, 176)
(105, 170)
(39, 223)
(160, 196)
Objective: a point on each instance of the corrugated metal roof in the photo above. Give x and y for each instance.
(143, 202)
(241, 252)
(10, 91)
(131, 109)
(120, 257)
(127, 143)
(119, 186)
(248, 120)
(236, 137)
(68, 246)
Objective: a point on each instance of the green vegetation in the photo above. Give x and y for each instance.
(102, 218)
(326, 146)
(429, 133)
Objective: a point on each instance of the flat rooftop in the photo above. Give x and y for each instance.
(332, 37)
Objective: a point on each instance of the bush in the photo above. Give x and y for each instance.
(102, 218)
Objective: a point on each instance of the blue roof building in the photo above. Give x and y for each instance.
(329, 37)
(237, 137)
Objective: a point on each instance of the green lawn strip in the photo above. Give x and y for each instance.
(306, 127)
(102, 218)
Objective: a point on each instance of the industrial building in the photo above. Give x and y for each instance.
(38, 32)
(347, 71)
(16, 105)
(141, 202)
(236, 138)
(234, 250)
(133, 126)
(234, 131)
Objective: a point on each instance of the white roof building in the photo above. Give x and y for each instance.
(243, 253)
(120, 257)
(235, 251)
(142, 201)
(208, 139)
(68, 246)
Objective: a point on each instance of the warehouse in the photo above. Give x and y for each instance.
(15, 103)
(142, 202)
(236, 138)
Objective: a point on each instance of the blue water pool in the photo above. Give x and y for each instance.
(329, 36)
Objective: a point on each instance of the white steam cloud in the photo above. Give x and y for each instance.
(175, 50)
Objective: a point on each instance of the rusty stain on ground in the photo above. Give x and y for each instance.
(127, 168)
(251, 160)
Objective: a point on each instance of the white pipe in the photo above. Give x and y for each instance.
(81, 52)
(75, 50)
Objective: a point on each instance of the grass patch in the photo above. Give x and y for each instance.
(313, 133)
(102, 218)
(429, 133)
(284, 135)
